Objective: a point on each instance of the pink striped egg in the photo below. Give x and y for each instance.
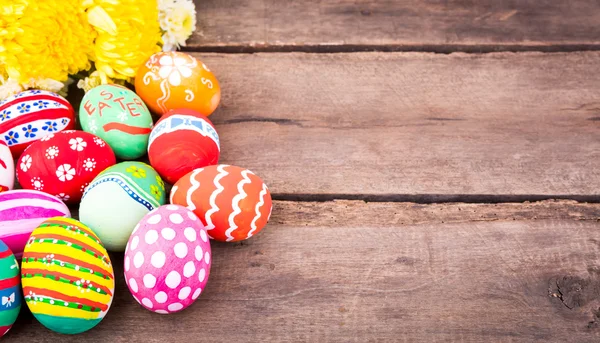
(22, 211)
(32, 115)
(167, 259)
(7, 168)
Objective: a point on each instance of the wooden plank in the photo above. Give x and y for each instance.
(413, 126)
(437, 25)
(362, 276)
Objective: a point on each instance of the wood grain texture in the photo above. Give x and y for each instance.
(437, 25)
(413, 124)
(361, 276)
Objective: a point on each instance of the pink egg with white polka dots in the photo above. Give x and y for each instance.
(167, 259)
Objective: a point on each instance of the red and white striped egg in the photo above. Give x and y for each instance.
(31, 115)
(233, 203)
(167, 259)
(63, 164)
(7, 168)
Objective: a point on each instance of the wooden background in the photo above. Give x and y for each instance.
(435, 166)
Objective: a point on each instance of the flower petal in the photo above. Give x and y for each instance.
(166, 60)
(165, 71)
(175, 78)
(185, 71)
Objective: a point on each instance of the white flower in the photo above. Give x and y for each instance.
(63, 197)
(37, 183)
(174, 69)
(99, 142)
(9, 88)
(83, 187)
(177, 20)
(93, 127)
(77, 143)
(26, 163)
(52, 152)
(89, 164)
(45, 84)
(65, 172)
(122, 116)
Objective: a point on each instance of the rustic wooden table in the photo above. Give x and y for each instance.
(435, 166)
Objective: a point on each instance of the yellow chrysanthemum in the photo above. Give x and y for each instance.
(43, 41)
(128, 34)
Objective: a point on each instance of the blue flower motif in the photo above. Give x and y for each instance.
(23, 108)
(5, 115)
(30, 131)
(35, 92)
(41, 104)
(50, 126)
(11, 138)
(64, 121)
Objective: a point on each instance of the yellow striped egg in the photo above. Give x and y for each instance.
(68, 280)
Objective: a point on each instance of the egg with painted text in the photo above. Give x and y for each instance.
(181, 141)
(67, 277)
(170, 80)
(168, 259)
(63, 164)
(31, 115)
(233, 203)
(117, 115)
(118, 198)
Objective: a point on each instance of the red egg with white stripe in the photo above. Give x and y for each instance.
(167, 259)
(31, 115)
(7, 168)
(181, 141)
(232, 202)
(63, 164)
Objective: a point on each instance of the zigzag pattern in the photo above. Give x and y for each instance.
(195, 186)
(236, 204)
(213, 197)
(262, 194)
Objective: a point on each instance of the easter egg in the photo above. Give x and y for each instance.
(7, 168)
(21, 211)
(118, 198)
(10, 289)
(63, 164)
(31, 115)
(181, 141)
(117, 115)
(171, 80)
(167, 260)
(232, 202)
(68, 280)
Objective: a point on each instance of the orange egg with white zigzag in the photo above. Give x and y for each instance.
(233, 203)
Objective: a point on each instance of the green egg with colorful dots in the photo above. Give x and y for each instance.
(118, 198)
(118, 116)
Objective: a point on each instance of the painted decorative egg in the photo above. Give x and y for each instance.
(7, 168)
(117, 200)
(31, 115)
(21, 211)
(171, 80)
(10, 289)
(63, 164)
(181, 141)
(120, 117)
(167, 260)
(232, 202)
(68, 280)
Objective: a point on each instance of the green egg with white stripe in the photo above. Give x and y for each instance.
(118, 198)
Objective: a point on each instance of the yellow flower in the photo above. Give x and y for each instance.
(160, 182)
(155, 192)
(43, 40)
(136, 172)
(128, 33)
(177, 19)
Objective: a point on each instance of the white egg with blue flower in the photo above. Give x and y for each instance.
(31, 115)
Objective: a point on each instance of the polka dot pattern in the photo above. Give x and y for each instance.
(168, 259)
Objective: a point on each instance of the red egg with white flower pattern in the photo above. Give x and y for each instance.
(63, 164)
